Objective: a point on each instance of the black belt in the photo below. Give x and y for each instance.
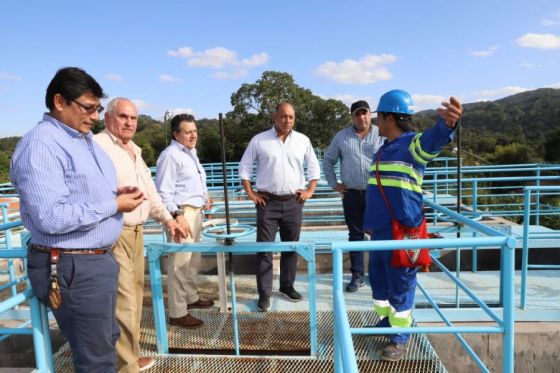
(276, 197)
(47, 250)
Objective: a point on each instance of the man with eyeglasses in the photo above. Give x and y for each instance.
(70, 203)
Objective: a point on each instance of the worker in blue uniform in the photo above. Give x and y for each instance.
(402, 160)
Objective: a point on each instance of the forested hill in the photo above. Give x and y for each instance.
(522, 128)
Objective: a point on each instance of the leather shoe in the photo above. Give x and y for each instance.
(201, 304)
(145, 363)
(187, 321)
(263, 304)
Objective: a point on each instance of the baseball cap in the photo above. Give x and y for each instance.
(359, 105)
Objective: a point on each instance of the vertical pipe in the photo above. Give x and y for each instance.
(38, 336)
(312, 306)
(157, 301)
(525, 253)
(459, 195)
(508, 253)
(234, 316)
(475, 211)
(538, 197)
(224, 173)
(337, 283)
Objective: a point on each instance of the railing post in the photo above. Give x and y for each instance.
(508, 254)
(475, 209)
(538, 196)
(525, 253)
(337, 282)
(157, 300)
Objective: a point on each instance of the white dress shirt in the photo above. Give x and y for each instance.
(134, 173)
(280, 165)
(180, 178)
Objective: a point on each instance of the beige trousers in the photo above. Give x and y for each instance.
(182, 268)
(129, 253)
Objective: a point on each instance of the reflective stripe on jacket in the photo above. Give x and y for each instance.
(401, 170)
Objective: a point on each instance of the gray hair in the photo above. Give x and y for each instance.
(112, 105)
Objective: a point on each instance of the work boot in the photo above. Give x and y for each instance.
(356, 283)
(383, 323)
(393, 351)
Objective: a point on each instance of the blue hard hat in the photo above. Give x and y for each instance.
(396, 101)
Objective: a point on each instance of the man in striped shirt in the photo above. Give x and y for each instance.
(70, 203)
(354, 146)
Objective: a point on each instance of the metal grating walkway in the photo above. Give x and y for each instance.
(281, 333)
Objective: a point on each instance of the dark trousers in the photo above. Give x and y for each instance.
(284, 217)
(88, 285)
(354, 204)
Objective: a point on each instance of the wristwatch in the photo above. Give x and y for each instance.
(176, 213)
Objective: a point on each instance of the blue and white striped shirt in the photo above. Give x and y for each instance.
(355, 154)
(67, 186)
(180, 178)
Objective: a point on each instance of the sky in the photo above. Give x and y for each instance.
(190, 56)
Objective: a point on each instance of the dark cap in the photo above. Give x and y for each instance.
(359, 105)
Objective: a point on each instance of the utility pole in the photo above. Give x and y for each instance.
(167, 117)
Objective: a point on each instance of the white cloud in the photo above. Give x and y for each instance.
(504, 91)
(369, 69)
(235, 74)
(231, 66)
(484, 53)
(114, 77)
(9, 76)
(218, 57)
(553, 85)
(144, 106)
(540, 41)
(184, 52)
(168, 78)
(550, 22)
(427, 101)
(528, 65)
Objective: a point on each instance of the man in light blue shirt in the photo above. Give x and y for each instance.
(354, 146)
(181, 183)
(70, 203)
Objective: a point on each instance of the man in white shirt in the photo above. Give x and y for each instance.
(280, 154)
(121, 119)
(181, 182)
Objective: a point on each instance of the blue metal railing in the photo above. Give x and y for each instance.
(525, 266)
(38, 312)
(155, 251)
(345, 359)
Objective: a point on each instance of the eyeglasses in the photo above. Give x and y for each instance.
(90, 109)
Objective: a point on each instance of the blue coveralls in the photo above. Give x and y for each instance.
(401, 170)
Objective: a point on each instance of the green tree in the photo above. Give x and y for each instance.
(254, 105)
(552, 147)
